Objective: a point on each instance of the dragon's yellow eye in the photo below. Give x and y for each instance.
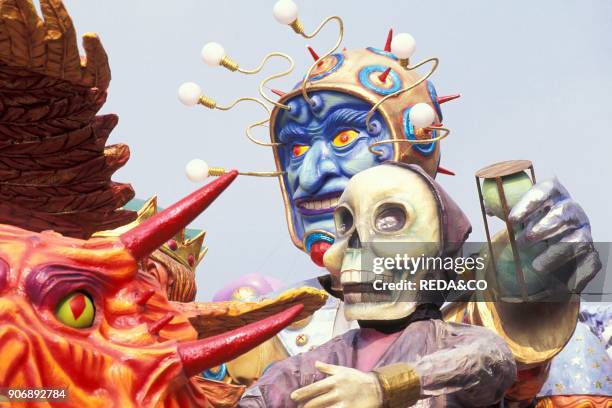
(345, 138)
(76, 310)
(299, 150)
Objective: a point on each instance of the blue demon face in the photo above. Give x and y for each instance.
(324, 145)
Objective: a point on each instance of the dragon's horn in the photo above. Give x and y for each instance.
(200, 355)
(145, 238)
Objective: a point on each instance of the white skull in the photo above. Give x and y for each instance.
(385, 211)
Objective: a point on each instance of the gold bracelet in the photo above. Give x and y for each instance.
(400, 385)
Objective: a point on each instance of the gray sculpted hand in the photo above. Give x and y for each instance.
(549, 213)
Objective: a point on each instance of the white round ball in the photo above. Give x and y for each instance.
(421, 115)
(196, 170)
(403, 45)
(285, 11)
(189, 93)
(212, 54)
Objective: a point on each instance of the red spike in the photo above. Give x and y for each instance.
(389, 38)
(448, 98)
(314, 54)
(156, 327)
(200, 355)
(279, 92)
(145, 238)
(383, 76)
(442, 170)
(144, 297)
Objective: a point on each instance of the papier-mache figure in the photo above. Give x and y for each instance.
(403, 351)
(96, 302)
(354, 109)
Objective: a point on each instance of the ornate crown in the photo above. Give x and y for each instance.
(187, 251)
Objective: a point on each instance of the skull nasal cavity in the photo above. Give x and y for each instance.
(354, 241)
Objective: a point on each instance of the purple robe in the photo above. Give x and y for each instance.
(458, 366)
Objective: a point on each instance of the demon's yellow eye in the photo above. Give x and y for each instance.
(76, 310)
(299, 150)
(345, 138)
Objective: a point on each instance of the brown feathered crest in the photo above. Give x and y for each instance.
(55, 167)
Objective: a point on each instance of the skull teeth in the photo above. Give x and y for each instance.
(353, 276)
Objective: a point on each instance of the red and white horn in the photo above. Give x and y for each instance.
(145, 238)
(200, 355)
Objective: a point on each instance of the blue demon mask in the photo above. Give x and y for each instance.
(322, 141)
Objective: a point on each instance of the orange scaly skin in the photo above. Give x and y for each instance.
(114, 363)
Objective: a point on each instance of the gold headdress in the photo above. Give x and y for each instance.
(383, 77)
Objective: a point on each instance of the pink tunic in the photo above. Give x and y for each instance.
(371, 345)
(458, 365)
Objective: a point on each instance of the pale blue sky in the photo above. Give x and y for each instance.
(535, 79)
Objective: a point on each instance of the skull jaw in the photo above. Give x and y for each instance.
(370, 304)
(379, 311)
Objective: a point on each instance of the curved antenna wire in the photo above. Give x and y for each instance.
(219, 171)
(274, 76)
(408, 88)
(232, 65)
(213, 105)
(444, 134)
(327, 54)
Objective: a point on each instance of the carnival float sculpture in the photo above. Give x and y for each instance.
(96, 302)
(403, 352)
(358, 108)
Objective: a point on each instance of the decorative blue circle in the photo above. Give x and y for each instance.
(375, 128)
(383, 53)
(339, 62)
(316, 104)
(218, 376)
(364, 78)
(315, 237)
(294, 108)
(434, 98)
(424, 149)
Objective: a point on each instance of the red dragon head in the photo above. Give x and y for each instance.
(79, 315)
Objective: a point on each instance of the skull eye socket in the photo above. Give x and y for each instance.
(390, 218)
(343, 220)
(76, 310)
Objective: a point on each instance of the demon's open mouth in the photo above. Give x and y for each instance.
(318, 204)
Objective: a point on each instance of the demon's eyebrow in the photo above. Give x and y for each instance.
(347, 117)
(291, 130)
(340, 117)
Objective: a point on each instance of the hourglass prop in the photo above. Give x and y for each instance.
(502, 186)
